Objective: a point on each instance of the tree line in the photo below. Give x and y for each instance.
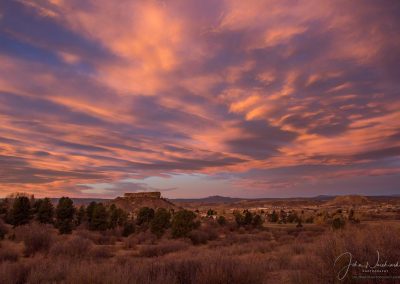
(65, 216)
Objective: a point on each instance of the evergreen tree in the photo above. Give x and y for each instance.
(36, 206)
(248, 217)
(338, 222)
(45, 211)
(129, 228)
(221, 220)
(351, 214)
(80, 215)
(239, 218)
(21, 211)
(89, 211)
(282, 216)
(117, 217)
(160, 222)
(99, 218)
(257, 221)
(65, 215)
(183, 222)
(145, 215)
(4, 206)
(211, 212)
(273, 217)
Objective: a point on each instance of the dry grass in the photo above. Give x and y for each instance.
(163, 248)
(276, 256)
(75, 248)
(36, 238)
(9, 251)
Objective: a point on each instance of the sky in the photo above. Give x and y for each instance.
(196, 98)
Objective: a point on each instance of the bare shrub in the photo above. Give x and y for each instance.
(146, 238)
(3, 229)
(297, 247)
(13, 272)
(130, 242)
(45, 270)
(97, 252)
(76, 247)
(300, 276)
(36, 238)
(8, 252)
(361, 242)
(228, 270)
(198, 237)
(162, 249)
(98, 238)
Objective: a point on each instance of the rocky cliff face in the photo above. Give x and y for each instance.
(154, 194)
(132, 202)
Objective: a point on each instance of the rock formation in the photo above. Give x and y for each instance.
(132, 202)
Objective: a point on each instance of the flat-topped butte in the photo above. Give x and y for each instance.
(154, 194)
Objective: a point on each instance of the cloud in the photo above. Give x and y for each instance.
(98, 92)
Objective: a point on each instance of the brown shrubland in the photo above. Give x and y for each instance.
(210, 254)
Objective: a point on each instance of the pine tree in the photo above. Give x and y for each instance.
(80, 215)
(183, 222)
(89, 211)
(273, 217)
(160, 222)
(99, 218)
(65, 215)
(145, 215)
(45, 211)
(257, 221)
(248, 217)
(117, 217)
(21, 211)
(221, 220)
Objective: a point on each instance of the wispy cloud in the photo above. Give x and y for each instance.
(272, 96)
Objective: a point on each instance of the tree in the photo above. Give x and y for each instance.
(36, 206)
(3, 229)
(129, 228)
(4, 207)
(292, 217)
(352, 218)
(248, 217)
(257, 221)
(183, 222)
(299, 223)
(221, 220)
(239, 218)
(80, 215)
(338, 222)
(211, 212)
(99, 218)
(282, 216)
(273, 217)
(45, 211)
(89, 211)
(351, 214)
(145, 215)
(21, 211)
(65, 215)
(160, 222)
(117, 217)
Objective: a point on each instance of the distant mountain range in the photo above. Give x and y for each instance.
(210, 199)
(226, 199)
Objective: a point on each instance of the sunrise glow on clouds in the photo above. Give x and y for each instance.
(239, 98)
